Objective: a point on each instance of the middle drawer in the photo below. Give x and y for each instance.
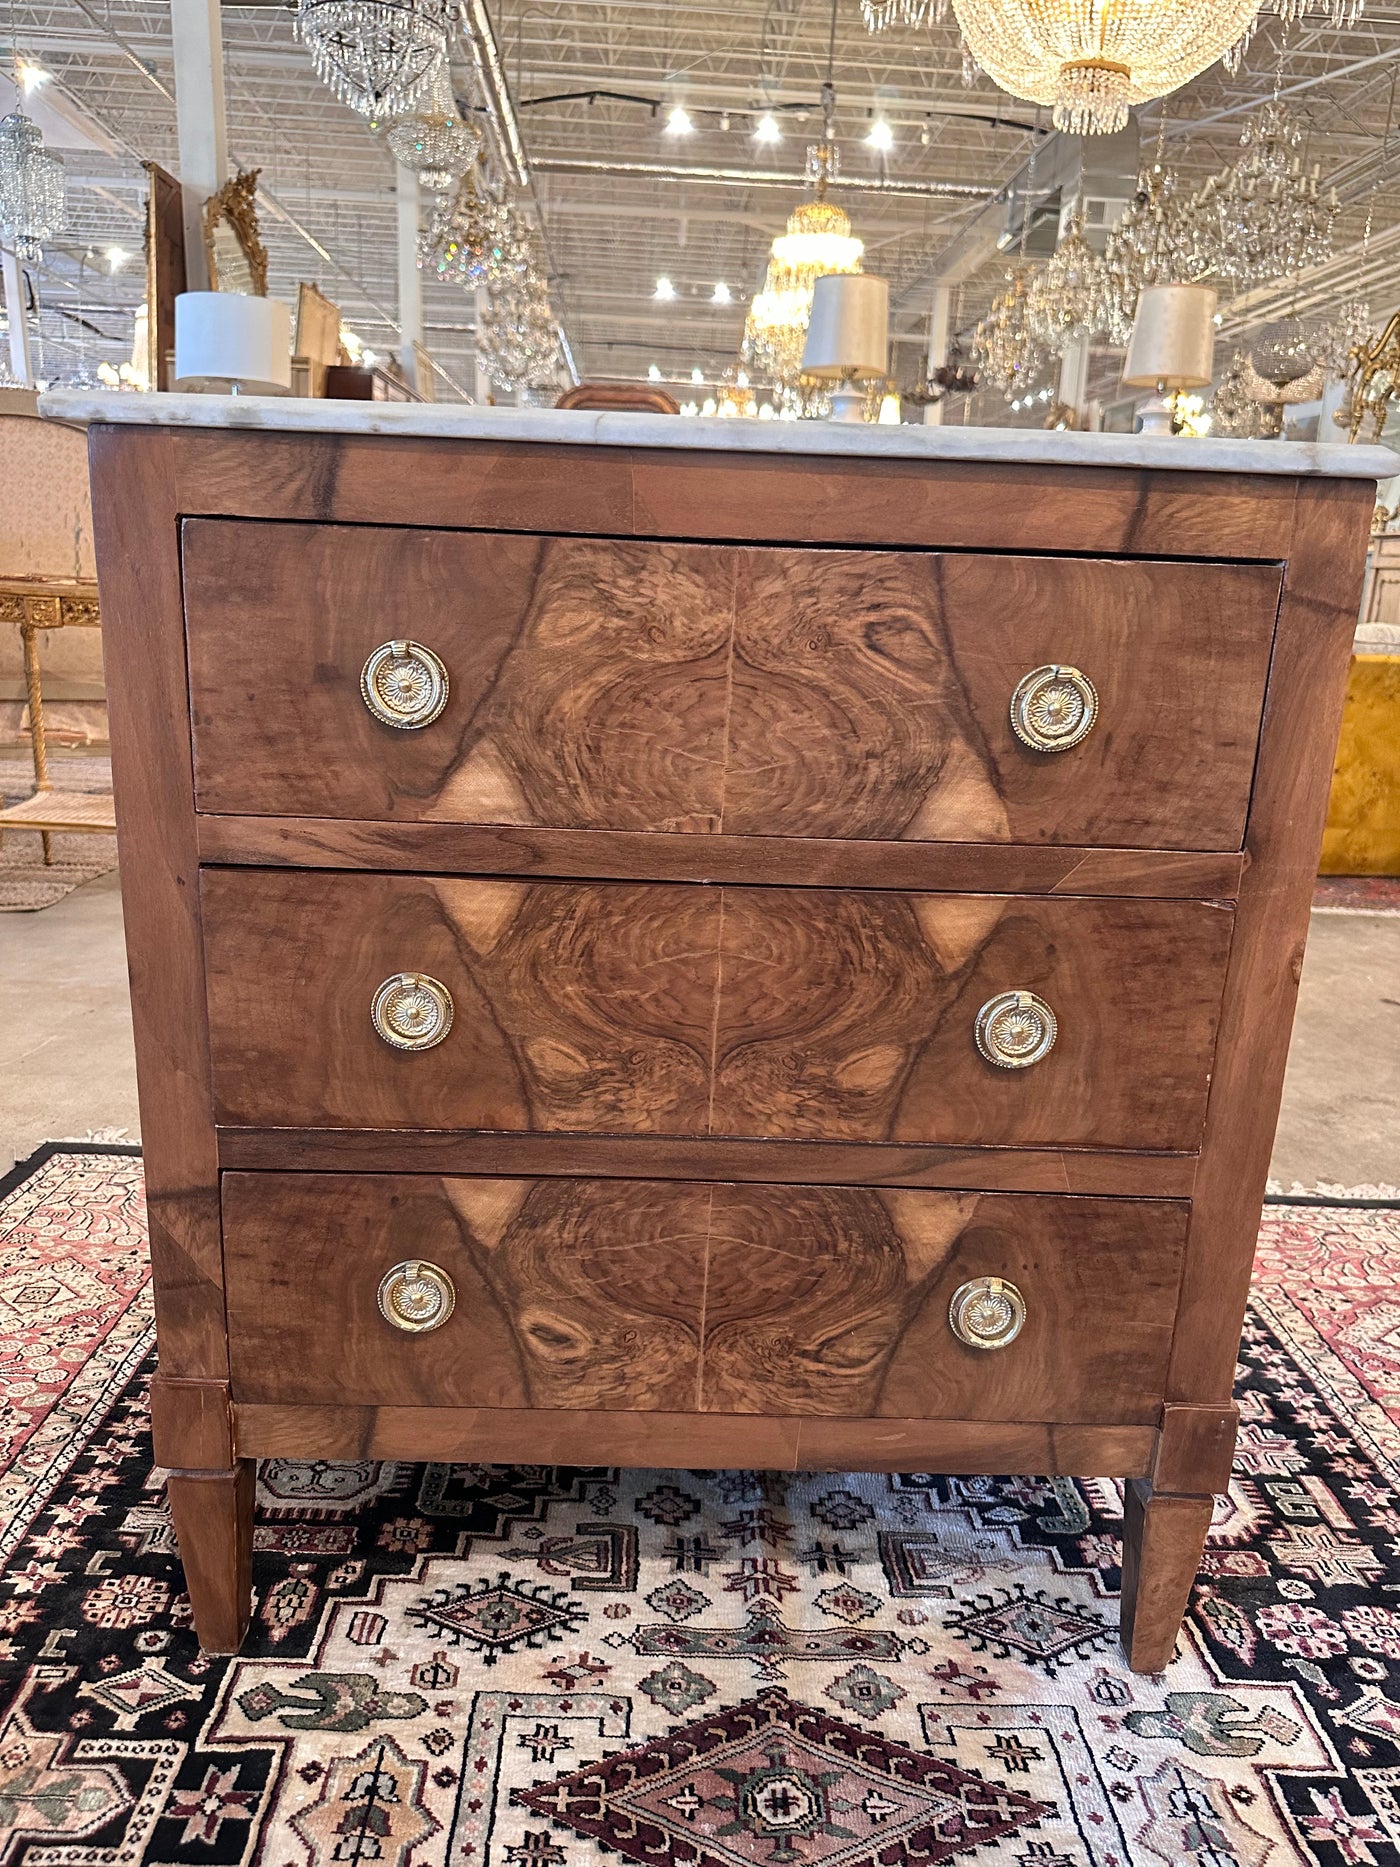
(615, 1008)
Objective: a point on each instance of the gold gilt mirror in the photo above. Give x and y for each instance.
(237, 257)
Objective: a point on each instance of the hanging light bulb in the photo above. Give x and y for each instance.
(32, 192)
(767, 130)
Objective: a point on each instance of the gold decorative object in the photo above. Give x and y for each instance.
(1005, 349)
(411, 1011)
(1053, 708)
(1091, 62)
(1374, 380)
(987, 1312)
(1015, 1030)
(232, 244)
(818, 240)
(404, 685)
(416, 1297)
(37, 607)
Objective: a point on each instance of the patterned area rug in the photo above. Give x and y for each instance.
(1357, 894)
(27, 882)
(537, 1667)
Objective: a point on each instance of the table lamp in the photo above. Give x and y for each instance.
(1172, 346)
(848, 337)
(232, 343)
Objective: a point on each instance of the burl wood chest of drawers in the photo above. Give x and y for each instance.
(649, 951)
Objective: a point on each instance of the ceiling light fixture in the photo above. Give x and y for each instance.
(116, 257)
(767, 129)
(1091, 62)
(653, 372)
(721, 294)
(32, 78)
(697, 375)
(376, 55)
(679, 122)
(665, 291)
(32, 190)
(880, 136)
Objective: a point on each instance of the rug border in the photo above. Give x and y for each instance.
(25, 1169)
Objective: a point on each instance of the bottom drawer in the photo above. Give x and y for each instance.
(691, 1297)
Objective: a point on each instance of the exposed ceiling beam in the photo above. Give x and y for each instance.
(760, 178)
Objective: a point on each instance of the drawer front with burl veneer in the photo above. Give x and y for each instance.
(607, 684)
(675, 1296)
(614, 1008)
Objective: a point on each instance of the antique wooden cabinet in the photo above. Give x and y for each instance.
(665, 942)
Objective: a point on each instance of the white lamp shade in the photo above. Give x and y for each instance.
(849, 333)
(1173, 340)
(226, 339)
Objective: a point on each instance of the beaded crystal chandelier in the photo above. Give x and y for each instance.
(1072, 298)
(817, 240)
(32, 194)
(1263, 216)
(432, 140)
(1091, 59)
(376, 55)
(1005, 349)
(878, 14)
(518, 340)
(463, 239)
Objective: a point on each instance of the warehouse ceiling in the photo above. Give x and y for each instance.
(622, 202)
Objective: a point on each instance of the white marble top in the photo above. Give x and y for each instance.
(583, 427)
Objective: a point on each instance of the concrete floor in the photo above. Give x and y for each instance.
(66, 1062)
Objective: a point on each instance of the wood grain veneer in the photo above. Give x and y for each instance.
(629, 685)
(653, 1008)
(704, 1297)
(893, 856)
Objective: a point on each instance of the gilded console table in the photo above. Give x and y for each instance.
(36, 606)
(664, 941)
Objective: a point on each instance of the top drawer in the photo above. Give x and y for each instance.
(751, 690)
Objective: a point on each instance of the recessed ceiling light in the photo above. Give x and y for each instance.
(880, 135)
(721, 294)
(767, 129)
(679, 123)
(665, 291)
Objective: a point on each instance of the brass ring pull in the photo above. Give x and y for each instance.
(416, 1297)
(404, 684)
(410, 1011)
(988, 1312)
(1015, 1030)
(1053, 708)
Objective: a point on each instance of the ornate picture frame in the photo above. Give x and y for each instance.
(232, 244)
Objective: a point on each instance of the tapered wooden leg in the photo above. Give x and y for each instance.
(213, 1513)
(1163, 1537)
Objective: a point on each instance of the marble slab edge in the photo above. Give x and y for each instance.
(702, 434)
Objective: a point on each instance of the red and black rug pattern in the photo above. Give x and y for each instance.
(468, 1666)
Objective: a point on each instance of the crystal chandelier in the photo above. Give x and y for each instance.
(1340, 13)
(817, 240)
(1263, 216)
(1071, 299)
(462, 240)
(32, 198)
(1006, 351)
(518, 342)
(879, 14)
(432, 140)
(376, 55)
(1091, 59)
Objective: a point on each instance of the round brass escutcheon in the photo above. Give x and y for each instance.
(1053, 708)
(404, 684)
(410, 1011)
(416, 1297)
(1015, 1030)
(987, 1312)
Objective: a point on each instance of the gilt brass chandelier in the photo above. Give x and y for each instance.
(1091, 59)
(817, 240)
